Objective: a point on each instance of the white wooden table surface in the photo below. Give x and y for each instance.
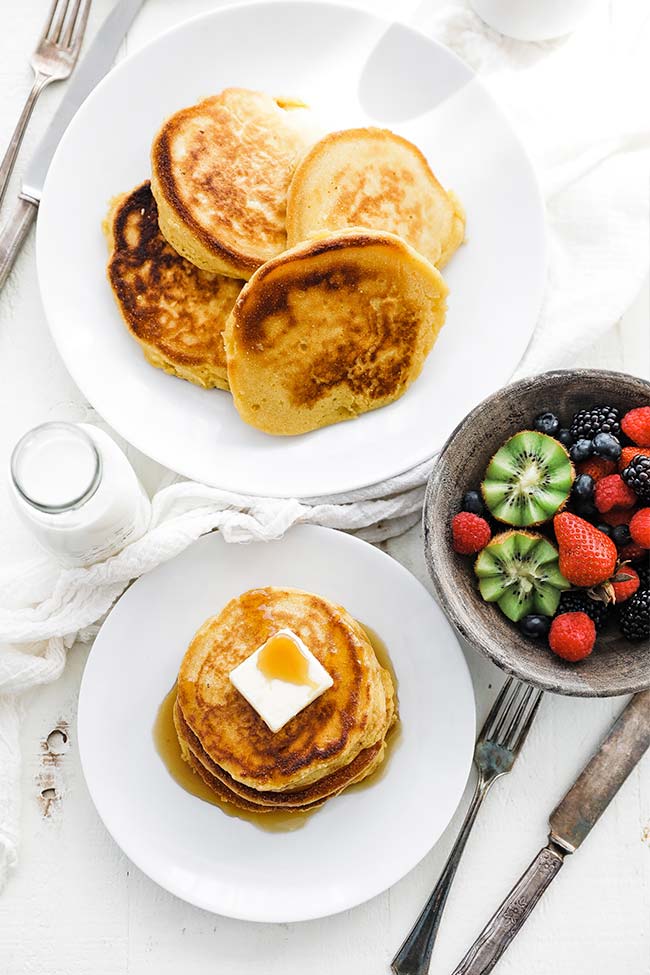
(75, 905)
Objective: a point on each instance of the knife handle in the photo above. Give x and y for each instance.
(13, 234)
(513, 913)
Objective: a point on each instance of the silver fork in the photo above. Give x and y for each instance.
(497, 748)
(53, 60)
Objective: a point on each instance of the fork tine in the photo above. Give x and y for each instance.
(515, 723)
(66, 37)
(50, 20)
(494, 710)
(523, 734)
(77, 25)
(54, 34)
(506, 712)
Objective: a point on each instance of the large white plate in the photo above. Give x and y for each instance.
(353, 68)
(359, 843)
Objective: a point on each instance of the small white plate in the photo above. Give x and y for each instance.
(354, 69)
(358, 844)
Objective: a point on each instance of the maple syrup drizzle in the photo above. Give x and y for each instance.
(169, 750)
(280, 659)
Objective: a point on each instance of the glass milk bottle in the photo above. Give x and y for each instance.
(77, 492)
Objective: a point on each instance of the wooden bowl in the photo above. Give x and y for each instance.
(615, 666)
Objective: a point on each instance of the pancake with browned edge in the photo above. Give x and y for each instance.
(220, 170)
(330, 329)
(373, 178)
(220, 729)
(174, 310)
(229, 789)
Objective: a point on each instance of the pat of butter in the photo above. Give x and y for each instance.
(277, 700)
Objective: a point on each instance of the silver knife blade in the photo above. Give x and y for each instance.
(96, 63)
(596, 786)
(571, 822)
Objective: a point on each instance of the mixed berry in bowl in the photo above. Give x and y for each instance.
(560, 528)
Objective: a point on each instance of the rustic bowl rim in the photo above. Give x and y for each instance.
(479, 639)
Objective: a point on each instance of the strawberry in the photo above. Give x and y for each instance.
(597, 467)
(628, 454)
(640, 528)
(612, 492)
(625, 583)
(572, 636)
(470, 533)
(636, 425)
(587, 556)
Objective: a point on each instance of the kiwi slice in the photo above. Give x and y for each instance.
(519, 571)
(528, 480)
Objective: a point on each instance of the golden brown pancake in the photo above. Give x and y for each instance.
(350, 716)
(373, 178)
(220, 172)
(330, 329)
(365, 763)
(174, 310)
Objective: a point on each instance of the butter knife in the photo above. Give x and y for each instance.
(99, 58)
(570, 824)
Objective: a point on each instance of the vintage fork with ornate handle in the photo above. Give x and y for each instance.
(570, 824)
(498, 745)
(53, 60)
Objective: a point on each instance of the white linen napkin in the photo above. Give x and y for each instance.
(590, 144)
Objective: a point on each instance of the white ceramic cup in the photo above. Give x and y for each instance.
(532, 20)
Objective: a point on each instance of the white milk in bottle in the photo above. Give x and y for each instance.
(77, 492)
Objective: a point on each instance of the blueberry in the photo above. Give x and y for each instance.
(547, 423)
(583, 488)
(535, 626)
(621, 536)
(581, 450)
(586, 509)
(472, 501)
(565, 437)
(606, 445)
(605, 529)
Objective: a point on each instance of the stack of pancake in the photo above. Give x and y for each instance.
(335, 741)
(299, 273)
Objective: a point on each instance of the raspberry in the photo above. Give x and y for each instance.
(625, 583)
(627, 456)
(618, 516)
(596, 467)
(636, 426)
(640, 528)
(572, 636)
(470, 533)
(632, 553)
(612, 492)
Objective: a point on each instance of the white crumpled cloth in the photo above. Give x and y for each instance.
(570, 102)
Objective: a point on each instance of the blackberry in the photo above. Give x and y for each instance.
(637, 475)
(577, 601)
(599, 419)
(635, 616)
